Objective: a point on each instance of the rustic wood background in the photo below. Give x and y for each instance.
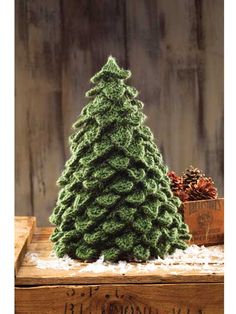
(174, 49)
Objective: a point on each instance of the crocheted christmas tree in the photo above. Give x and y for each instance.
(115, 198)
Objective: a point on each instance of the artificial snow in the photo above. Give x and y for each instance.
(52, 262)
(199, 258)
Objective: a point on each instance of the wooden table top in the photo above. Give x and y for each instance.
(33, 248)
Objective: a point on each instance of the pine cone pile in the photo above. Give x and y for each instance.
(192, 185)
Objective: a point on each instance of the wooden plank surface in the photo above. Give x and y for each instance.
(173, 48)
(40, 151)
(40, 248)
(120, 299)
(23, 154)
(31, 275)
(24, 230)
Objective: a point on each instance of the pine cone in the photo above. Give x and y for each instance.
(176, 181)
(177, 186)
(203, 189)
(191, 175)
(182, 195)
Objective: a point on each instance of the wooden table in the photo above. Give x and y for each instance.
(74, 291)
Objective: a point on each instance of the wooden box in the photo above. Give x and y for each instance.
(162, 291)
(205, 220)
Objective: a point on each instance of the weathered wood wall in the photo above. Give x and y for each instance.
(174, 49)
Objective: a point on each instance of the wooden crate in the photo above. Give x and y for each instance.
(73, 292)
(205, 220)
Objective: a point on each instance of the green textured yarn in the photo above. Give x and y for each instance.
(115, 198)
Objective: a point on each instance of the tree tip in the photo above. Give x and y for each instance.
(112, 68)
(111, 58)
(111, 61)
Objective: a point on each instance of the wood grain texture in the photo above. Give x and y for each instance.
(175, 52)
(31, 275)
(24, 230)
(39, 123)
(120, 299)
(41, 247)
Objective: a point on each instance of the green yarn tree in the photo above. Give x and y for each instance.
(115, 198)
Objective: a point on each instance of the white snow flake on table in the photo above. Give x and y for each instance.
(52, 262)
(200, 258)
